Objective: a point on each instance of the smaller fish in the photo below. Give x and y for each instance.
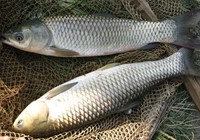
(83, 36)
(86, 99)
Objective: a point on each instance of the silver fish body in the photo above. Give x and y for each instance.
(98, 94)
(92, 36)
(79, 36)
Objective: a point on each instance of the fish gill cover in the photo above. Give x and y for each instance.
(24, 76)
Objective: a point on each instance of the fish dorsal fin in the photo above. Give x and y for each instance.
(108, 66)
(93, 73)
(63, 52)
(59, 89)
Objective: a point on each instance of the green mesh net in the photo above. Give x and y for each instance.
(25, 77)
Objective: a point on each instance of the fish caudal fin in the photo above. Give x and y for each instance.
(186, 24)
(190, 67)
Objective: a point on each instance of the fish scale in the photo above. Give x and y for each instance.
(91, 35)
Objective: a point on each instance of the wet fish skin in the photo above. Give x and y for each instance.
(92, 36)
(98, 94)
(80, 36)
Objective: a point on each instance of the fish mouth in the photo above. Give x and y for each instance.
(5, 40)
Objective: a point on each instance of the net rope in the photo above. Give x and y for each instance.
(25, 77)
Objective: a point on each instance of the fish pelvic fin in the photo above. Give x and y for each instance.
(186, 23)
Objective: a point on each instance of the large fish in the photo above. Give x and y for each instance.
(108, 90)
(79, 36)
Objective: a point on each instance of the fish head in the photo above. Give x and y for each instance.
(32, 36)
(33, 119)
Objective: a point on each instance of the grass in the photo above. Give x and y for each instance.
(183, 120)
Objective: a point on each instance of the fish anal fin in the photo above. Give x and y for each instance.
(128, 112)
(59, 89)
(150, 46)
(128, 108)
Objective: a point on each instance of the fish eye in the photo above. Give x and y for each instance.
(19, 36)
(20, 123)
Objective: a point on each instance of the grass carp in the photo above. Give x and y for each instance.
(98, 94)
(82, 36)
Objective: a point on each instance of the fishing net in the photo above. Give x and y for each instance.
(25, 77)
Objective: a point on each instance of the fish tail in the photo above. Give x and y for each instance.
(186, 23)
(188, 58)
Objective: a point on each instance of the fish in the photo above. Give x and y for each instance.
(114, 88)
(90, 35)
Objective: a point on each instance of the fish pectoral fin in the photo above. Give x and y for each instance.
(128, 108)
(59, 89)
(108, 66)
(64, 52)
